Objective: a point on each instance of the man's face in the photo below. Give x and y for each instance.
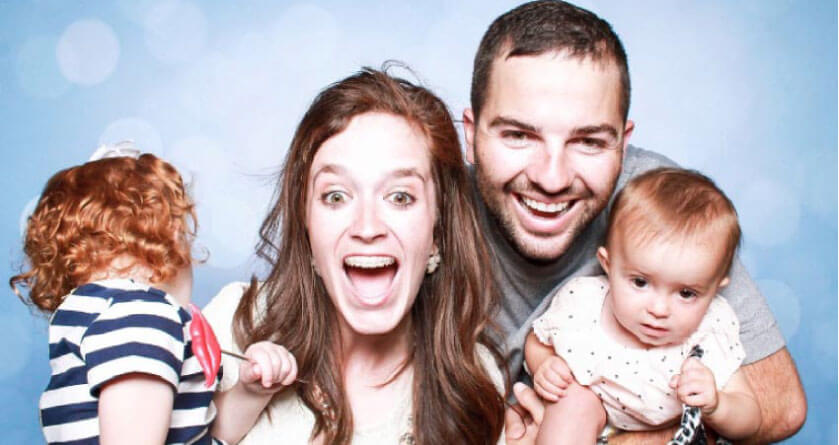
(547, 148)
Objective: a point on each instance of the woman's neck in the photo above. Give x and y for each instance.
(375, 359)
(376, 372)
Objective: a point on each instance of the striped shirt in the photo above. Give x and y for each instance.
(107, 329)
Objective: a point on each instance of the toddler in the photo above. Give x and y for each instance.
(109, 254)
(627, 335)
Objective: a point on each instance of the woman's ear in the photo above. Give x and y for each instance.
(603, 257)
(724, 282)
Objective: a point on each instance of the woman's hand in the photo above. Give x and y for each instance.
(270, 368)
(552, 378)
(521, 421)
(695, 386)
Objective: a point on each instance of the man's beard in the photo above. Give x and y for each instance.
(534, 250)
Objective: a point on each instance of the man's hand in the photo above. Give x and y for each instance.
(522, 421)
(552, 378)
(695, 386)
(270, 367)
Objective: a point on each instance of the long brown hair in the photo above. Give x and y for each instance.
(454, 399)
(92, 213)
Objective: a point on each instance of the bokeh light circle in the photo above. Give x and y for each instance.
(785, 305)
(773, 213)
(87, 52)
(144, 135)
(175, 31)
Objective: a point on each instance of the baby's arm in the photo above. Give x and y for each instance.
(578, 417)
(270, 369)
(732, 412)
(551, 375)
(135, 409)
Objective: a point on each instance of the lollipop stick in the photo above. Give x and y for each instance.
(242, 357)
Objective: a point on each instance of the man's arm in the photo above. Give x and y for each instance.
(779, 395)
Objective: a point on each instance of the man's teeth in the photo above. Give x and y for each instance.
(369, 262)
(543, 207)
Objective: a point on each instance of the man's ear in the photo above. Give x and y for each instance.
(469, 134)
(724, 282)
(628, 128)
(603, 257)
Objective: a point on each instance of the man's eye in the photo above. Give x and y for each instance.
(639, 282)
(590, 144)
(687, 294)
(401, 198)
(333, 198)
(516, 138)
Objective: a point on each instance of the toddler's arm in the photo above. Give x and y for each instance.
(270, 369)
(551, 375)
(732, 412)
(135, 409)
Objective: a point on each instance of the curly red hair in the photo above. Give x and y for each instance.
(90, 214)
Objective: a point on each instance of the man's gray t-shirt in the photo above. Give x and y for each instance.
(526, 286)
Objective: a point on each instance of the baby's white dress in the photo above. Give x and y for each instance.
(633, 382)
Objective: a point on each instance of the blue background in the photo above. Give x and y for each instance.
(744, 91)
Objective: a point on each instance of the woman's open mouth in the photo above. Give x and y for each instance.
(371, 276)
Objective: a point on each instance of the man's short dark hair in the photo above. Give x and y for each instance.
(548, 25)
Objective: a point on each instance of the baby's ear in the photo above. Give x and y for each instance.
(603, 257)
(724, 282)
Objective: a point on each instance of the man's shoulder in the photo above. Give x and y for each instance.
(638, 160)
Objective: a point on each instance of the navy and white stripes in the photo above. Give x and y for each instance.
(110, 328)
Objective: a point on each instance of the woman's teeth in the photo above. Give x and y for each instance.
(544, 207)
(368, 262)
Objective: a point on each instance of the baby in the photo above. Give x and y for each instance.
(109, 254)
(626, 336)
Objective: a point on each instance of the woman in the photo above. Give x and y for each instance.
(380, 285)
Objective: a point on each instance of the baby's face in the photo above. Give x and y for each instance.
(660, 289)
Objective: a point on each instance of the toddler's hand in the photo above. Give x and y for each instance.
(695, 386)
(270, 368)
(552, 378)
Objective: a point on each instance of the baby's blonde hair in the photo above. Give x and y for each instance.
(667, 202)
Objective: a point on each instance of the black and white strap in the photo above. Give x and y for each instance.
(691, 431)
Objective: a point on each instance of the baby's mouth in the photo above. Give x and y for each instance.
(370, 275)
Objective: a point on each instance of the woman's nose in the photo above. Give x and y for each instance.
(367, 224)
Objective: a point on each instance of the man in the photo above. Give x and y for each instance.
(548, 136)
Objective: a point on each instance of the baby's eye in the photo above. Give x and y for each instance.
(639, 282)
(687, 294)
(333, 198)
(401, 198)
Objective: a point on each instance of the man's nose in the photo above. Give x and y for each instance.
(367, 224)
(550, 168)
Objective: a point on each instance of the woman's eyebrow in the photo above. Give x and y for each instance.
(329, 168)
(408, 172)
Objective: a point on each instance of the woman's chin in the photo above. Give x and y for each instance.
(378, 320)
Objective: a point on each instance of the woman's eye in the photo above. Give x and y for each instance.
(687, 294)
(333, 198)
(639, 282)
(401, 198)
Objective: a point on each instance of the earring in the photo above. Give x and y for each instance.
(433, 262)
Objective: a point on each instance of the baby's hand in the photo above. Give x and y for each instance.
(270, 368)
(552, 378)
(695, 386)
